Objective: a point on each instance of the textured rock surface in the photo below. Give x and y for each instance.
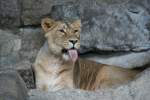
(136, 90)
(33, 11)
(112, 25)
(117, 27)
(143, 3)
(23, 46)
(126, 60)
(10, 45)
(25, 70)
(10, 13)
(14, 50)
(12, 86)
(32, 41)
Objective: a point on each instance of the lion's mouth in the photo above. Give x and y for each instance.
(73, 53)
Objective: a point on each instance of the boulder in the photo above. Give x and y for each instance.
(12, 86)
(10, 45)
(11, 58)
(143, 3)
(33, 11)
(20, 45)
(10, 13)
(32, 41)
(125, 60)
(25, 70)
(108, 27)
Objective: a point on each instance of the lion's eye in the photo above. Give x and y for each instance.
(61, 30)
(75, 31)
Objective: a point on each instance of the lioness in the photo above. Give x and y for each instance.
(55, 66)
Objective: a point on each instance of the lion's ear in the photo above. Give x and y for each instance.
(47, 24)
(76, 24)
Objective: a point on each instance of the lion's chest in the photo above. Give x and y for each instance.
(55, 80)
(53, 76)
(51, 73)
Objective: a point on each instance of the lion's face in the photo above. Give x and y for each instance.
(63, 38)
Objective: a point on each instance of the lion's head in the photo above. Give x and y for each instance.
(63, 38)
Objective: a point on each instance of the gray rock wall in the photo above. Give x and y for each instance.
(110, 25)
(10, 12)
(12, 86)
(18, 50)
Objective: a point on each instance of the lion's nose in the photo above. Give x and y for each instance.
(73, 41)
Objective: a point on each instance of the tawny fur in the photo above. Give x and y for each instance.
(54, 70)
(89, 75)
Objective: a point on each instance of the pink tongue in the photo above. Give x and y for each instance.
(73, 55)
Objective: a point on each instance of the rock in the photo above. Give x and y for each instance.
(143, 3)
(106, 23)
(137, 90)
(9, 43)
(18, 51)
(10, 13)
(24, 68)
(108, 27)
(32, 41)
(9, 61)
(125, 60)
(33, 10)
(12, 86)
(10, 46)
(26, 72)
(66, 12)
(25, 12)
(10, 56)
